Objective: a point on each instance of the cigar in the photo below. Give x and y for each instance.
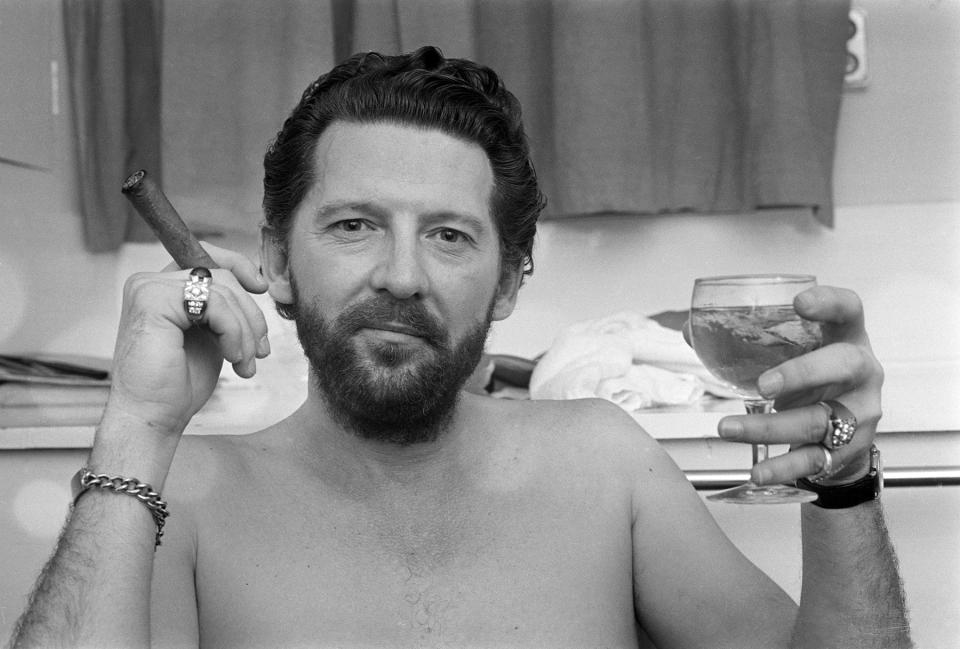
(152, 204)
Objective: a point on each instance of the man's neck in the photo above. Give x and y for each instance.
(373, 464)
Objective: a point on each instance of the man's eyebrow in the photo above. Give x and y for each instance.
(332, 209)
(463, 219)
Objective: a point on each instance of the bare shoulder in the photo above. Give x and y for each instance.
(204, 463)
(595, 420)
(206, 471)
(209, 476)
(591, 435)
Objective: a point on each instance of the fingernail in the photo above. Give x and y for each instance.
(804, 301)
(770, 384)
(730, 429)
(263, 347)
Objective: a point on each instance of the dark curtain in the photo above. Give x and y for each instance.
(113, 50)
(632, 106)
(232, 71)
(688, 105)
(653, 106)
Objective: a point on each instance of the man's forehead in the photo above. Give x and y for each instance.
(390, 157)
(389, 142)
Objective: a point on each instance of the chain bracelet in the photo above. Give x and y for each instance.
(133, 487)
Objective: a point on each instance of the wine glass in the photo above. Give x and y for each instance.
(741, 326)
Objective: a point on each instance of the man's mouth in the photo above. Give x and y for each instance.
(385, 321)
(394, 332)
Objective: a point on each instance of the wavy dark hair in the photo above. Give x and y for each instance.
(458, 97)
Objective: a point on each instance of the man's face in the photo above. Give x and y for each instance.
(393, 262)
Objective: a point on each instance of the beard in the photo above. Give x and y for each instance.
(401, 394)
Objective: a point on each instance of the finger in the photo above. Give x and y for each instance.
(846, 464)
(799, 427)
(222, 314)
(246, 272)
(251, 311)
(839, 311)
(226, 320)
(836, 368)
(258, 324)
(254, 325)
(807, 425)
(799, 463)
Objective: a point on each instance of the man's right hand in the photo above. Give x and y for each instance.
(165, 367)
(95, 591)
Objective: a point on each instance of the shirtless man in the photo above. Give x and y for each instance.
(392, 509)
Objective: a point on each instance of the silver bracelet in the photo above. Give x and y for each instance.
(84, 479)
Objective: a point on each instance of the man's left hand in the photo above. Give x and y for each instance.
(844, 369)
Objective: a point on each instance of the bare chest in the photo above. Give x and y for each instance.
(533, 569)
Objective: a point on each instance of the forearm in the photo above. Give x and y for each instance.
(852, 595)
(95, 590)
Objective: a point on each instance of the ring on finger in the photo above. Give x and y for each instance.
(841, 424)
(826, 469)
(196, 292)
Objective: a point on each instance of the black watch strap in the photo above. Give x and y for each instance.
(863, 490)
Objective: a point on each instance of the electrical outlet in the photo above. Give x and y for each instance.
(856, 72)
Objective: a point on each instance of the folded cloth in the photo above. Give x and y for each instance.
(625, 358)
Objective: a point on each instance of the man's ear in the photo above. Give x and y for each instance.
(507, 290)
(275, 263)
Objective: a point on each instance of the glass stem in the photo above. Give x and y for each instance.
(759, 407)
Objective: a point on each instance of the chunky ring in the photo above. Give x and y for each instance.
(841, 424)
(196, 292)
(827, 467)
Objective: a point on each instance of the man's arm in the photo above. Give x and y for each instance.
(95, 590)
(852, 595)
(693, 588)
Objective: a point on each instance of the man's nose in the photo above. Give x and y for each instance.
(400, 270)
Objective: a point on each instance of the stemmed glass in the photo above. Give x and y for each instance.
(741, 326)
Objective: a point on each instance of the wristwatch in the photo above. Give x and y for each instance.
(843, 496)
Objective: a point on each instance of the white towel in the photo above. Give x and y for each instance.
(625, 358)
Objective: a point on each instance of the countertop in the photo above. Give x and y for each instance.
(918, 397)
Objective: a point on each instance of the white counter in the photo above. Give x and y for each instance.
(917, 397)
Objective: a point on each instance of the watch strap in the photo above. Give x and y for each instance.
(843, 496)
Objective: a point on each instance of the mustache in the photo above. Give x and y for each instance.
(379, 311)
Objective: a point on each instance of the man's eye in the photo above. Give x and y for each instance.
(351, 225)
(451, 236)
